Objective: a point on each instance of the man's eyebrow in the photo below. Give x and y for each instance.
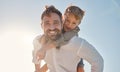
(46, 21)
(56, 20)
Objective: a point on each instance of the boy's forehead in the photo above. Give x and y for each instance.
(69, 15)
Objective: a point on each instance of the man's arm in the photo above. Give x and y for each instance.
(80, 69)
(37, 67)
(44, 68)
(80, 66)
(90, 54)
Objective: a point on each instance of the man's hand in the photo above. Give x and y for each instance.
(44, 68)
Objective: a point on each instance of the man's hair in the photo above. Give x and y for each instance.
(76, 11)
(49, 10)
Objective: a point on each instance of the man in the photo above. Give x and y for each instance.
(67, 57)
(52, 26)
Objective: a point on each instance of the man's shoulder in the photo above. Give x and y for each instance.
(77, 38)
(80, 40)
(83, 41)
(36, 39)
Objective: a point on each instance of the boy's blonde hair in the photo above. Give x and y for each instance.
(76, 11)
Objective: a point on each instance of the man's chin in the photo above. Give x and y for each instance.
(52, 38)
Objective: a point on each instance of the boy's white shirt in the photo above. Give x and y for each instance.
(67, 58)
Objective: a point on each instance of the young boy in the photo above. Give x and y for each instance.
(72, 18)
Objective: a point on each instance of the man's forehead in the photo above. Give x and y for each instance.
(47, 20)
(51, 18)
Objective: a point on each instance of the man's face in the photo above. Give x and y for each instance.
(52, 26)
(70, 22)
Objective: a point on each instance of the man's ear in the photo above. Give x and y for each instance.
(62, 22)
(41, 25)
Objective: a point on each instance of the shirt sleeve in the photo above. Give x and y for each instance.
(36, 46)
(90, 54)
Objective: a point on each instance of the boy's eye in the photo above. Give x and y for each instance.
(74, 23)
(67, 21)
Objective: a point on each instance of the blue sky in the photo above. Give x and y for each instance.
(20, 23)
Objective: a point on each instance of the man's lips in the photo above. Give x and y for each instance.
(52, 32)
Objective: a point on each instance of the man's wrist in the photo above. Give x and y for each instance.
(37, 70)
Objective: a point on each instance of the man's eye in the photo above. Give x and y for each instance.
(47, 23)
(56, 22)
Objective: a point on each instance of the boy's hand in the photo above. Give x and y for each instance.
(41, 54)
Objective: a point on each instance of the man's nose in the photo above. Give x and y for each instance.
(52, 27)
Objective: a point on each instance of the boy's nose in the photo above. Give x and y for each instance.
(69, 25)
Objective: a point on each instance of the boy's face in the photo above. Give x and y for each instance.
(52, 26)
(70, 22)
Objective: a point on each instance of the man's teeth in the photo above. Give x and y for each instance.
(52, 32)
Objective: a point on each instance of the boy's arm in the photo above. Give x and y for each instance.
(69, 34)
(37, 67)
(65, 37)
(36, 47)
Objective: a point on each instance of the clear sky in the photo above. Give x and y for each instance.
(20, 23)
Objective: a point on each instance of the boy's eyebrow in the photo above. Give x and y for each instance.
(74, 22)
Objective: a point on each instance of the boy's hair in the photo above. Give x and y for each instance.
(76, 11)
(49, 10)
